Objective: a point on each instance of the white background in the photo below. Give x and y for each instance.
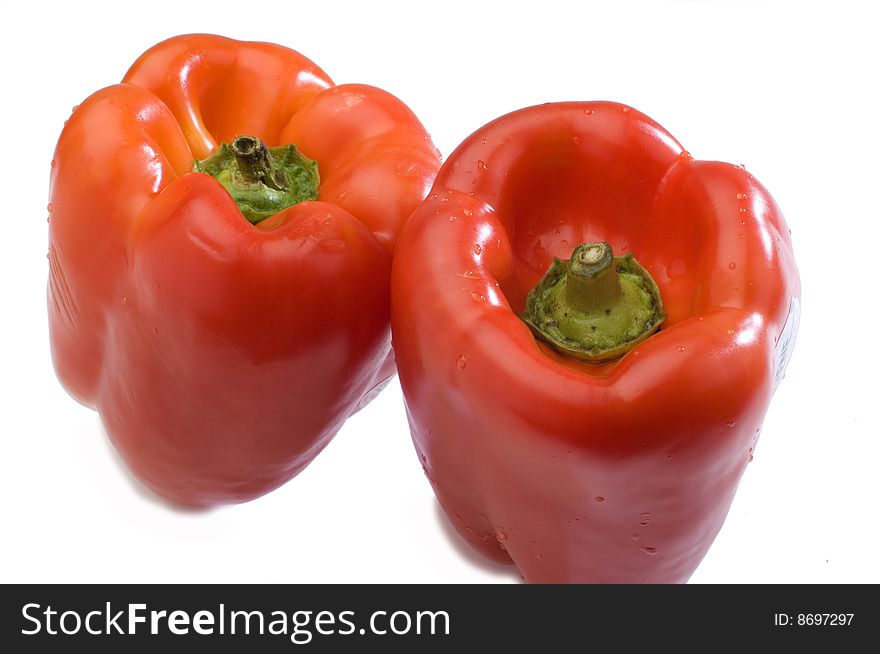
(788, 89)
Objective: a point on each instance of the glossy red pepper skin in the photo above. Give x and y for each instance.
(575, 472)
(223, 356)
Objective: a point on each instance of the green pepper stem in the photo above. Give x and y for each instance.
(592, 281)
(255, 163)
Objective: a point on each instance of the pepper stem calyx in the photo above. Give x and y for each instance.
(262, 180)
(595, 306)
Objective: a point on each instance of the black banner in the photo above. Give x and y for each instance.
(279, 618)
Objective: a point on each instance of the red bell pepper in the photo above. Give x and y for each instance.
(224, 305)
(560, 429)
